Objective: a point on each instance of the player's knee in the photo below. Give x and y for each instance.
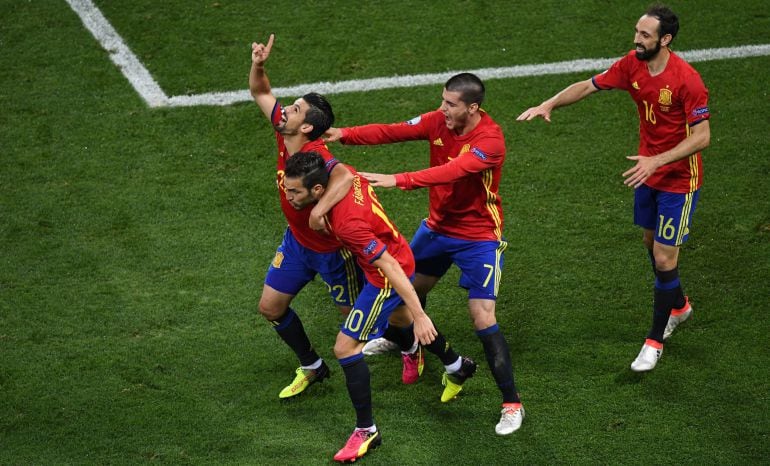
(665, 257)
(665, 263)
(344, 348)
(482, 313)
(271, 311)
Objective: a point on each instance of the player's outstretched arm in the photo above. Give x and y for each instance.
(424, 330)
(568, 96)
(259, 85)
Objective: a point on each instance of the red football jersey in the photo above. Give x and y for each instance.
(362, 226)
(668, 104)
(464, 177)
(298, 219)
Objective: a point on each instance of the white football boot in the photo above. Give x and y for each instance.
(677, 317)
(379, 346)
(648, 356)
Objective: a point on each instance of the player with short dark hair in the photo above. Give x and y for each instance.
(361, 224)
(672, 102)
(303, 253)
(465, 225)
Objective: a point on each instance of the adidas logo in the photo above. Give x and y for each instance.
(438, 142)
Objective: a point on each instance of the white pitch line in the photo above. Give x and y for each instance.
(120, 54)
(151, 92)
(362, 85)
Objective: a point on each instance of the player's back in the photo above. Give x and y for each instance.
(363, 227)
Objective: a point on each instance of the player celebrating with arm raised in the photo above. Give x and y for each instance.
(674, 127)
(465, 225)
(303, 252)
(360, 223)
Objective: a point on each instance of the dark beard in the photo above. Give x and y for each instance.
(648, 55)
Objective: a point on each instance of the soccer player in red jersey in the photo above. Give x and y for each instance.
(672, 102)
(361, 224)
(465, 225)
(303, 252)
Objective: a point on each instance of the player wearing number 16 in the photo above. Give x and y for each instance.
(674, 127)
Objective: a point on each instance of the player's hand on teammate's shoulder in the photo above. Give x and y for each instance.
(379, 180)
(332, 135)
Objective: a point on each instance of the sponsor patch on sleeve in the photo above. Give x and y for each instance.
(370, 248)
(478, 153)
(414, 120)
(331, 163)
(700, 111)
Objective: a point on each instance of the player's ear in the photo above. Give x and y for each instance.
(665, 40)
(306, 128)
(317, 191)
(473, 108)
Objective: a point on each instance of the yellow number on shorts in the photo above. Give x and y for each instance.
(667, 230)
(355, 319)
(339, 289)
(489, 275)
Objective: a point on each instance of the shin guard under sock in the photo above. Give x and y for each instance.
(441, 348)
(357, 379)
(499, 360)
(291, 330)
(668, 293)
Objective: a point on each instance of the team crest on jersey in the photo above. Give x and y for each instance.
(635, 85)
(278, 260)
(478, 153)
(414, 120)
(664, 98)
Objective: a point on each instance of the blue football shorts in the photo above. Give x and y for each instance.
(668, 214)
(295, 265)
(480, 262)
(369, 317)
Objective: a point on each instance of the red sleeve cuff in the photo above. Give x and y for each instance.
(345, 134)
(403, 181)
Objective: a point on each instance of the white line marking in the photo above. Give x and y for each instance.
(151, 92)
(120, 54)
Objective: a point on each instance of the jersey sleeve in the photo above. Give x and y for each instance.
(377, 133)
(275, 116)
(359, 238)
(695, 98)
(616, 77)
(482, 156)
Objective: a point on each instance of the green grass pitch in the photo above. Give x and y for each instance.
(135, 240)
